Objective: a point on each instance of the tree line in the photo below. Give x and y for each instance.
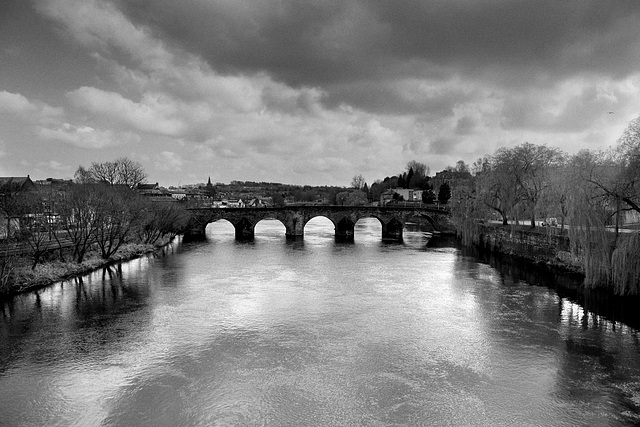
(590, 193)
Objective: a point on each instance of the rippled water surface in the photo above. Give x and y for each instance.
(311, 333)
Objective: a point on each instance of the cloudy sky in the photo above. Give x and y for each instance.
(308, 91)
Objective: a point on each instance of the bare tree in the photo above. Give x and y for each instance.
(78, 218)
(628, 157)
(461, 166)
(35, 227)
(122, 171)
(419, 169)
(357, 182)
(118, 213)
(496, 189)
(554, 202)
(130, 173)
(83, 176)
(162, 219)
(528, 165)
(420, 176)
(106, 172)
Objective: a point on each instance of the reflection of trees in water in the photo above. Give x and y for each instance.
(54, 322)
(598, 365)
(566, 285)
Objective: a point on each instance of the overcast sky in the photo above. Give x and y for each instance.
(308, 91)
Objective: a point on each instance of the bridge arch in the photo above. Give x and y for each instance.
(322, 221)
(429, 219)
(269, 218)
(221, 225)
(266, 226)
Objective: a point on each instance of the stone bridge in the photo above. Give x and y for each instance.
(295, 218)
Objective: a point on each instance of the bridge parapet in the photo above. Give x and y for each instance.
(295, 217)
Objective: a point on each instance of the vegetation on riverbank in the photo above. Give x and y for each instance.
(56, 232)
(24, 278)
(591, 195)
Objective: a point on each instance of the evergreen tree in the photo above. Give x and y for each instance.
(365, 190)
(444, 194)
(409, 178)
(428, 196)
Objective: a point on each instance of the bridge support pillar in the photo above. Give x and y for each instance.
(392, 230)
(195, 231)
(244, 229)
(345, 230)
(294, 227)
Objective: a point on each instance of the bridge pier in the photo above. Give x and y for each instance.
(392, 230)
(195, 231)
(345, 230)
(294, 227)
(245, 230)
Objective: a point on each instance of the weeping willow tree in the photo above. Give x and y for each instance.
(606, 185)
(626, 258)
(625, 266)
(465, 222)
(591, 242)
(466, 213)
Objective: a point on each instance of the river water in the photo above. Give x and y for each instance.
(312, 333)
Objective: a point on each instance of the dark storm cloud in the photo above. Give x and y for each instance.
(317, 42)
(554, 36)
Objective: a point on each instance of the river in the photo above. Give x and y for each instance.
(312, 333)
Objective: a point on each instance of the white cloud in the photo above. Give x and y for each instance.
(15, 103)
(155, 113)
(19, 106)
(87, 137)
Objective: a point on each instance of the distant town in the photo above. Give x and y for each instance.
(408, 187)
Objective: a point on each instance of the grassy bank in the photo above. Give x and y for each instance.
(23, 278)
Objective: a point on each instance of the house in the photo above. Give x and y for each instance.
(407, 194)
(148, 189)
(11, 188)
(56, 183)
(10, 185)
(386, 197)
(179, 193)
(256, 203)
(235, 203)
(7, 224)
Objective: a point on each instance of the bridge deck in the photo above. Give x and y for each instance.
(336, 208)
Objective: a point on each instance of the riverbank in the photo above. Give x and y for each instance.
(543, 246)
(25, 279)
